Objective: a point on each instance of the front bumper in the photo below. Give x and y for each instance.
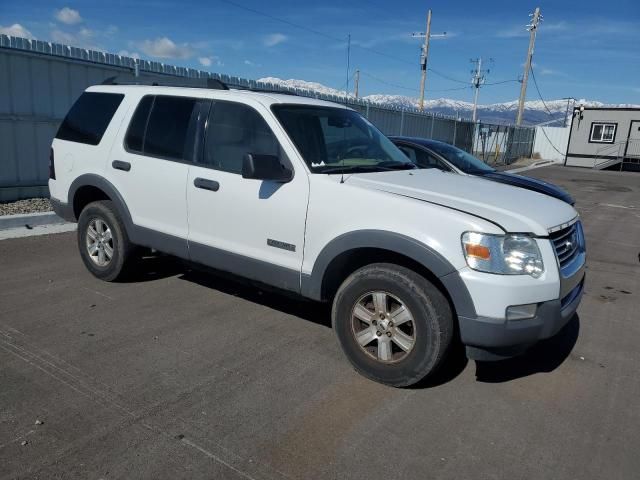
(494, 339)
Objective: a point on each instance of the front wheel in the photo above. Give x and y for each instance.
(393, 325)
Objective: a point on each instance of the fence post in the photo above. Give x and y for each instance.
(401, 121)
(367, 114)
(433, 119)
(455, 129)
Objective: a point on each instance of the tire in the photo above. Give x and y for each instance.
(103, 219)
(401, 353)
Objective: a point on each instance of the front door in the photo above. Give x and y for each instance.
(253, 228)
(633, 143)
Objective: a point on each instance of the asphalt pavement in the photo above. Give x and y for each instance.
(180, 373)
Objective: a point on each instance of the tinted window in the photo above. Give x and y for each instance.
(89, 117)
(135, 134)
(233, 131)
(166, 132)
(460, 159)
(422, 158)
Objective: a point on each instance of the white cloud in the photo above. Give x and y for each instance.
(205, 61)
(164, 47)
(83, 39)
(127, 53)
(274, 39)
(16, 30)
(68, 16)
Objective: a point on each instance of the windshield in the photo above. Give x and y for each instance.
(337, 140)
(461, 159)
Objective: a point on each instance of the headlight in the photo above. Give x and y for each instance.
(511, 254)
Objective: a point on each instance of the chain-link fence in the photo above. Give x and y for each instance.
(40, 81)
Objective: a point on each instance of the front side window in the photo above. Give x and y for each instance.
(336, 140)
(460, 159)
(234, 130)
(603, 132)
(422, 158)
(89, 117)
(160, 127)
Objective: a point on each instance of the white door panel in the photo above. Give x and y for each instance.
(243, 214)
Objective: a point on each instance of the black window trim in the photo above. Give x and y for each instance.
(199, 102)
(615, 132)
(200, 158)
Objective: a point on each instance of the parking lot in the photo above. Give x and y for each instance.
(180, 374)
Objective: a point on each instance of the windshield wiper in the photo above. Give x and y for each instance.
(398, 165)
(356, 169)
(380, 167)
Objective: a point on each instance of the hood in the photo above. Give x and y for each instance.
(530, 184)
(514, 209)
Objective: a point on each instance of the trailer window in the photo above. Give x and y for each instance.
(603, 132)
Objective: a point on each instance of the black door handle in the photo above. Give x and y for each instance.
(120, 165)
(206, 184)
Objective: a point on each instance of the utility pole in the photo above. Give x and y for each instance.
(532, 27)
(424, 55)
(357, 82)
(477, 80)
(566, 113)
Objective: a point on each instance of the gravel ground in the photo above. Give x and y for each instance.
(30, 205)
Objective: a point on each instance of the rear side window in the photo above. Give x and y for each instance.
(89, 117)
(160, 127)
(234, 130)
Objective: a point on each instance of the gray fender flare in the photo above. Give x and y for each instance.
(311, 285)
(107, 187)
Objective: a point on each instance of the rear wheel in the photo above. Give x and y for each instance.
(103, 242)
(394, 325)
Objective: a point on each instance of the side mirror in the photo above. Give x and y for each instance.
(265, 167)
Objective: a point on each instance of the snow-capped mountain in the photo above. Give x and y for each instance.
(535, 112)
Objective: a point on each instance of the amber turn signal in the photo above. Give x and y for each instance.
(479, 251)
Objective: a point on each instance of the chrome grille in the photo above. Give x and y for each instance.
(568, 243)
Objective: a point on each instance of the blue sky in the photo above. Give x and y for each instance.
(585, 49)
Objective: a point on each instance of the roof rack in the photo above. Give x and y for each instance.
(268, 90)
(211, 83)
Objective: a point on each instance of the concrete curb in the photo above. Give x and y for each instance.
(31, 219)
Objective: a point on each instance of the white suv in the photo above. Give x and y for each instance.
(310, 197)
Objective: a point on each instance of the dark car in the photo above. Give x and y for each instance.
(435, 154)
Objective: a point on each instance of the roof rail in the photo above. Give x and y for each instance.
(269, 90)
(211, 83)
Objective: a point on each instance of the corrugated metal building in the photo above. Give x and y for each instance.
(551, 142)
(39, 81)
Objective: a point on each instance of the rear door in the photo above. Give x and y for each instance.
(151, 166)
(253, 228)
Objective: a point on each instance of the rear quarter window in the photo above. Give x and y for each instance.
(89, 117)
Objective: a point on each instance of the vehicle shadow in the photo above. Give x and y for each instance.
(543, 357)
(291, 304)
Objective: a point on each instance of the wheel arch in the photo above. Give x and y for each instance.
(90, 187)
(350, 251)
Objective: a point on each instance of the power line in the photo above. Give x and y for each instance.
(403, 87)
(533, 76)
(390, 84)
(501, 82)
(550, 142)
(440, 74)
(314, 31)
